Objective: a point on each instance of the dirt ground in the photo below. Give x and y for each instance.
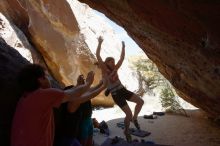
(170, 129)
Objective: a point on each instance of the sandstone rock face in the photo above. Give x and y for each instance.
(181, 37)
(54, 31)
(13, 11)
(16, 39)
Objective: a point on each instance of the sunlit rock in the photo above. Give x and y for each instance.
(54, 31)
(15, 38)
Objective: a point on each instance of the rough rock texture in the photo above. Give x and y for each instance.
(10, 62)
(16, 39)
(53, 29)
(55, 32)
(181, 37)
(13, 10)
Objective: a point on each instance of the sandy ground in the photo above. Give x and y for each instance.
(176, 130)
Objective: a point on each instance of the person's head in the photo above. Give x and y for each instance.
(80, 80)
(110, 63)
(31, 77)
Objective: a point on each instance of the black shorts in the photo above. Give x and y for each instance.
(120, 96)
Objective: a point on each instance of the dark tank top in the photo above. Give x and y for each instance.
(70, 122)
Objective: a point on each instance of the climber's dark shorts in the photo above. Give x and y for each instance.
(121, 95)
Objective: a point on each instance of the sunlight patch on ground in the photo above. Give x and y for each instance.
(151, 104)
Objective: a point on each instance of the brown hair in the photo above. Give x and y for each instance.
(107, 60)
(28, 77)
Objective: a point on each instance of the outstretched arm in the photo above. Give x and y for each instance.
(118, 65)
(74, 93)
(94, 92)
(73, 106)
(97, 86)
(100, 61)
(91, 94)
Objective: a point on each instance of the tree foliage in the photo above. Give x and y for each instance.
(150, 78)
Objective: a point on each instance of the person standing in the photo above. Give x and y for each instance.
(33, 121)
(119, 93)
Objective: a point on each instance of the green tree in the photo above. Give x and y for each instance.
(150, 78)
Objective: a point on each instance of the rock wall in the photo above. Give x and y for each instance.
(10, 62)
(181, 37)
(14, 37)
(13, 11)
(55, 33)
(52, 28)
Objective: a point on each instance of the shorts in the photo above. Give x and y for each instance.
(86, 128)
(120, 96)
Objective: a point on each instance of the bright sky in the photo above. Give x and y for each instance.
(131, 47)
